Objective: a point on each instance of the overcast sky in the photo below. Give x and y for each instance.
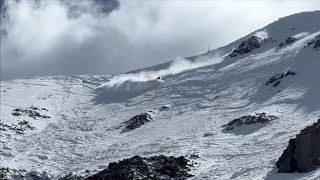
(43, 39)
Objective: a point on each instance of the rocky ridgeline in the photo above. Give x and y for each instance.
(135, 122)
(156, 167)
(275, 80)
(249, 45)
(303, 152)
(31, 112)
(288, 41)
(249, 119)
(136, 167)
(19, 128)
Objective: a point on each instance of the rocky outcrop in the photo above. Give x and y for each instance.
(275, 80)
(288, 41)
(249, 119)
(156, 167)
(247, 46)
(136, 167)
(303, 152)
(135, 122)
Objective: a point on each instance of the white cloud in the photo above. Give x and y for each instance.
(44, 39)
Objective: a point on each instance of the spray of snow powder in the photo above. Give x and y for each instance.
(146, 80)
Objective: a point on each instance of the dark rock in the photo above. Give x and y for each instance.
(72, 176)
(19, 129)
(136, 122)
(303, 152)
(288, 41)
(194, 156)
(207, 134)
(247, 46)
(317, 44)
(249, 119)
(156, 167)
(31, 112)
(275, 79)
(281, 44)
(276, 83)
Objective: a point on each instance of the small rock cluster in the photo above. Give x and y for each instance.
(135, 122)
(31, 112)
(249, 119)
(303, 152)
(18, 128)
(247, 46)
(156, 167)
(276, 79)
(288, 41)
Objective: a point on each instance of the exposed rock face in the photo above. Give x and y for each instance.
(303, 152)
(317, 44)
(247, 46)
(276, 79)
(249, 119)
(157, 167)
(136, 122)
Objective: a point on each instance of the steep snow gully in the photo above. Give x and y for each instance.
(265, 85)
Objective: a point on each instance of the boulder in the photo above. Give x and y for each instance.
(303, 152)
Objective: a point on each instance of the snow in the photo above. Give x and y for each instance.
(202, 94)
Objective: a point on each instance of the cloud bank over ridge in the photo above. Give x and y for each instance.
(101, 36)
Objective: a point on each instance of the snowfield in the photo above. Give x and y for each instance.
(200, 94)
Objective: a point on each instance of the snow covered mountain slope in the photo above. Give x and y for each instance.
(80, 122)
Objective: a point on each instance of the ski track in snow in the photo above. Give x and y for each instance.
(82, 132)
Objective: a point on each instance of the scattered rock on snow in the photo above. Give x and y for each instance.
(31, 112)
(156, 167)
(18, 128)
(276, 79)
(303, 152)
(135, 122)
(249, 119)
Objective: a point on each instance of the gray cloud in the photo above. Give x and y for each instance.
(46, 40)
